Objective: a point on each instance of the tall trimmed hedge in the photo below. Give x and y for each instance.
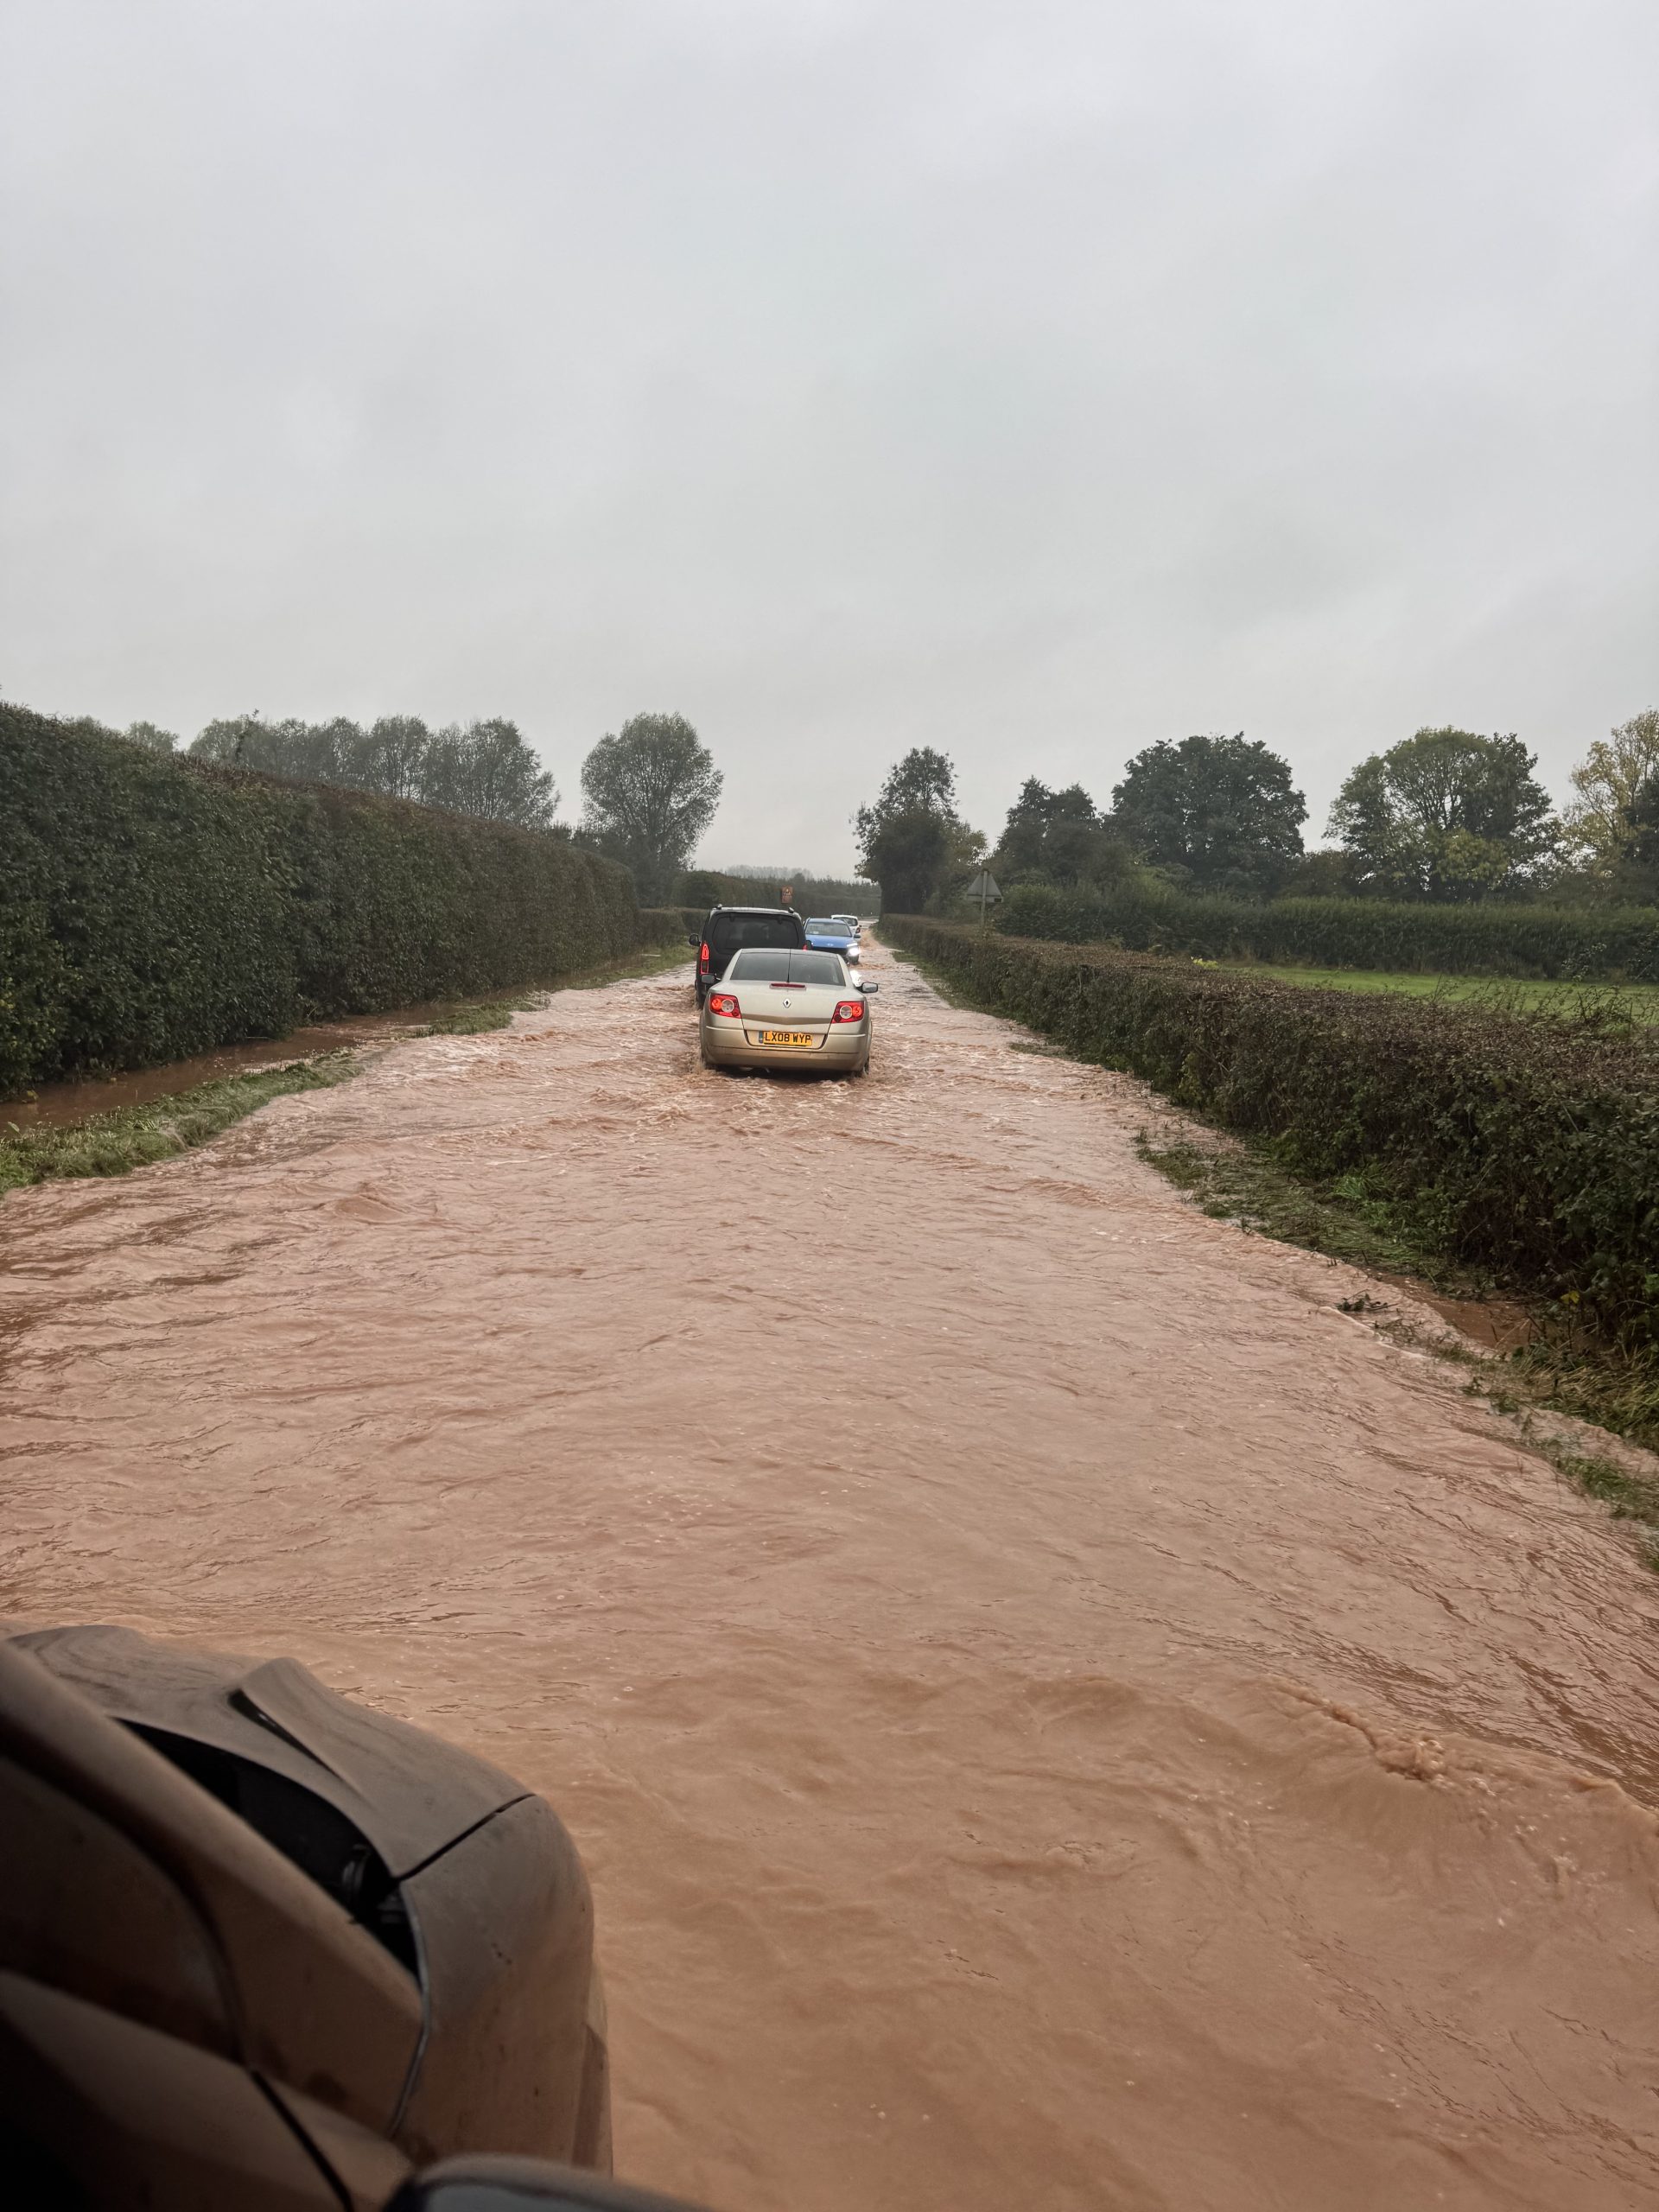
(1529, 1145)
(152, 907)
(1619, 943)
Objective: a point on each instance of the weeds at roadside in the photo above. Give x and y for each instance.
(138, 1136)
(1628, 1494)
(1628, 1497)
(951, 992)
(1232, 1180)
(1614, 1388)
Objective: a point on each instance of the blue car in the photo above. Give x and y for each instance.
(829, 933)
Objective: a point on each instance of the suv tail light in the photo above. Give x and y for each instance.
(703, 958)
(849, 1010)
(723, 1002)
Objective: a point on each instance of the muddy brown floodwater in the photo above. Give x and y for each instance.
(1057, 1715)
(59, 1105)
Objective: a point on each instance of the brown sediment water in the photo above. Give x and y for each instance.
(60, 1105)
(1056, 1713)
(1495, 1324)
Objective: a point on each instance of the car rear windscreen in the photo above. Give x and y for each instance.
(822, 967)
(729, 931)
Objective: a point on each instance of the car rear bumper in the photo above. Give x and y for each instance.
(725, 1045)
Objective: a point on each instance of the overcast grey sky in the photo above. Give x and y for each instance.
(1032, 380)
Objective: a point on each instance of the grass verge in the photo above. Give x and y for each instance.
(1627, 1496)
(137, 1136)
(1606, 1003)
(1240, 1180)
(648, 960)
(469, 1017)
(1237, 1180)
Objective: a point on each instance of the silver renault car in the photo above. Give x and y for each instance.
(773, 1009)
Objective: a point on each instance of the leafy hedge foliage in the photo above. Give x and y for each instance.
(1616, 944)
(1529, 1145)
(665, 925)
(152, 907)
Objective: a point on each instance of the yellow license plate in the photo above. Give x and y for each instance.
(787, 1036)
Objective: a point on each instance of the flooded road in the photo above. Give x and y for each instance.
(1057, 1715)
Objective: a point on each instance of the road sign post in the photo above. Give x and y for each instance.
(983, 887)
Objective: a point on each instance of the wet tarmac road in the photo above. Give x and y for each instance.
(1056, 1713)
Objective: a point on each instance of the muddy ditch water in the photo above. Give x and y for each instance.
(61, 1105)
(1055, 1712)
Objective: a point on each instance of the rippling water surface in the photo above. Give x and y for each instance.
(1056, 1714)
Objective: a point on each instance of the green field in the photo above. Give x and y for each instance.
(1640, 1001)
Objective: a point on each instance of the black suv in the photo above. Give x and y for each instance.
(729, 928)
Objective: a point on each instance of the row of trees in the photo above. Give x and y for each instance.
(649, 790)
(1446, 815)
(485, 768)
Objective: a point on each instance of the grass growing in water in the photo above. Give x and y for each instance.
(472, 1017)
(136, 1136)
(1242, 1182)
(1627, 1496)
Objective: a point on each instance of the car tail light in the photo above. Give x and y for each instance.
(849, 1010)
(723, 1002)
(702, 956)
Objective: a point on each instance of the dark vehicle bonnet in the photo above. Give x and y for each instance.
(409, 1794)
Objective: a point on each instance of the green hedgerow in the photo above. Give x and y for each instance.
(153, 906)
(1616, 944)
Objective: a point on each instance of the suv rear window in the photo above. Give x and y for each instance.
(729, 931)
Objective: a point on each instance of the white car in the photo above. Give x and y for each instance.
(788, 1009)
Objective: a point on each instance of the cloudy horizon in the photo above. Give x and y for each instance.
(1031, 383)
